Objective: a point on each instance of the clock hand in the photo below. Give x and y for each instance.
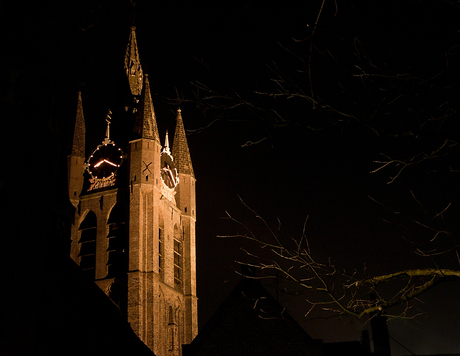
(98, 163)
(171, 176)
(111, 163)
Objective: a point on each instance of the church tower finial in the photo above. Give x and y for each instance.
(166, 148)
(133, 64)
(108, 118)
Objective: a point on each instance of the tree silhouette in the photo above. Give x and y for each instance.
(389, 71)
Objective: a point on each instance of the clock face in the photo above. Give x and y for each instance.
(105, 160)
(168, 171)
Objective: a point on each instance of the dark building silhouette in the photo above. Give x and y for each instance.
(251, 322)
(380, 336)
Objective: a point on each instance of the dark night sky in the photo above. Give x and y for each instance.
(295, 173)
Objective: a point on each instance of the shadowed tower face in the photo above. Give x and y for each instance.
(135, 214)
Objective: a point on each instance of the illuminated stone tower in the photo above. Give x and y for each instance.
(135, 213)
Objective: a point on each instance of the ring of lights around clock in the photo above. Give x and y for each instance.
(103, 164)
(104, 161)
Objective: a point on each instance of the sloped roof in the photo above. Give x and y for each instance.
(251, 322)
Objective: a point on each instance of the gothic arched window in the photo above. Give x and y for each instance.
(88, 232)
(117, 244)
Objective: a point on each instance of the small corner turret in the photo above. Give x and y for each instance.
(185, 195)
(76, 159)
(180, 150)
(145, 125)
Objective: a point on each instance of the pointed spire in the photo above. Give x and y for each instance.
(180, 150)
(78, 143)
(146, 123)
(166, 148)
(133, 64)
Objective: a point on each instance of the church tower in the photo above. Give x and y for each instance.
(135, 214)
